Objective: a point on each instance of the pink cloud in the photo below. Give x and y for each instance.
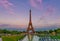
(33, 4)
(50, 10)
(7, 5)
(36, 3)
(40, 1)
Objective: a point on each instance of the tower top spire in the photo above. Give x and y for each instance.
(30, 10)
(30, 15)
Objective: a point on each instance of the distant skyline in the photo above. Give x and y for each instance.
(16, 12)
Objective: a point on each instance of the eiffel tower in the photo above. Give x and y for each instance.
(30, 28)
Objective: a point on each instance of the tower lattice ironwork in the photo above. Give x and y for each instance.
(30, 26)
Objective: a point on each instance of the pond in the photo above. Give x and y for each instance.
(36, 38)
(0, 39)
(31, 38)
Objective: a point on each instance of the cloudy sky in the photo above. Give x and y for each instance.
(16, 12)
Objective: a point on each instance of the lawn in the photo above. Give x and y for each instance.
(52, 36)
(55, 37)
(12, 38)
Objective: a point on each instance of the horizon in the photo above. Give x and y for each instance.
(18, 28)
(16, 13)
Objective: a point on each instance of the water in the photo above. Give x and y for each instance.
(0, 39)
(36, 38)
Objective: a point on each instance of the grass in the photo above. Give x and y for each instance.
(52, 36)
(55, 37)
(12, 38)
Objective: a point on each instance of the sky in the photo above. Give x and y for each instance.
(16, 12)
